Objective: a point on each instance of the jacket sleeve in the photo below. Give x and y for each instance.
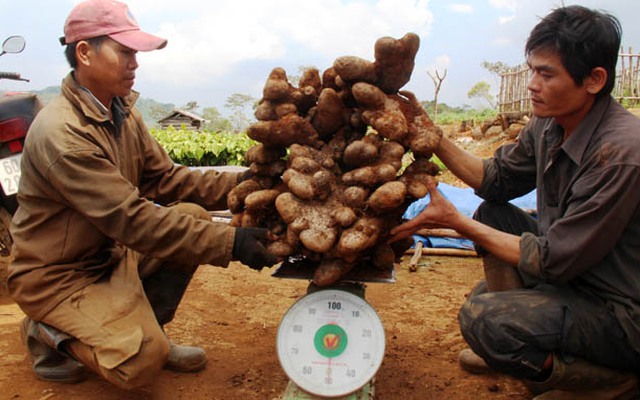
(95, 188)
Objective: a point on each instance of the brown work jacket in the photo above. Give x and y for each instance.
(93, 186)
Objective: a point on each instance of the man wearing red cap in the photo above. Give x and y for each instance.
(109, 230)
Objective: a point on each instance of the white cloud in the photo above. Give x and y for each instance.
(461, 8)
(441, 63)
(224, 34)
(506, 20)
(509, 5)
(503, 42)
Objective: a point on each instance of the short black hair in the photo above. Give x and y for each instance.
(583, 38)
(70, 50)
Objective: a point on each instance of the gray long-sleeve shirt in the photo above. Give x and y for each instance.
(588, 199)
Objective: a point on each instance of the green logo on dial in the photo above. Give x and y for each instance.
(330, 340)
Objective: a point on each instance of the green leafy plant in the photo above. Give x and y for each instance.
(202, 148)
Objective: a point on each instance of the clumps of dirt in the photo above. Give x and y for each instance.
(328, 175)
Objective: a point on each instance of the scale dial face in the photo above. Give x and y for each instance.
(331, 343)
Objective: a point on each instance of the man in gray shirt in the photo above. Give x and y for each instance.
(560, 305)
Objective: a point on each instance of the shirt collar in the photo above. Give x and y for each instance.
(104, 110)
(89, 104)
(577, 143)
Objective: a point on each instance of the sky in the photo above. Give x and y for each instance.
(218, 48)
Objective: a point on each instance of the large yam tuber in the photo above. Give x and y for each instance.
(277, 87)
(395, 61)
(329, 115)
(330, 271)
(355, 69)
(424, 136)
(387, 197)
(382, 112)
(370, 175)
(235, 198)
(361, 236)
(383, 256)
(261, 200)
(338, 191)
(355, 197)
(284, 132)
(318, 240)
(262, 154)
(361, 152)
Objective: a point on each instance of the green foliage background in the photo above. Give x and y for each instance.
(203, 148)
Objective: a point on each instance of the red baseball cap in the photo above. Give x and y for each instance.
(93, 18)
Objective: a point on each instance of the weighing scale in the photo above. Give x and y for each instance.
(331, 342)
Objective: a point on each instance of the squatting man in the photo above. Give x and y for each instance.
(109, 231)
(560, 303)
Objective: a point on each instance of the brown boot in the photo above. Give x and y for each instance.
(582, 380)
(473, 363)
(48, 363)
(185, 358)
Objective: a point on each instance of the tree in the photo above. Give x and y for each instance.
(157, 111)
(215, 122)
(481, 90)
(437, 82)
(191, 106)
(497, 67)
(239, 104)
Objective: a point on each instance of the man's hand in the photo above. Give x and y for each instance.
(439, 213)
(249, 248)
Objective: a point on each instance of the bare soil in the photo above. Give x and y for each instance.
(234, 314)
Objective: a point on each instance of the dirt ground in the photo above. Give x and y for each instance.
(234, 314)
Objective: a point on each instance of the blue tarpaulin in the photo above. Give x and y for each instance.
(466, 202)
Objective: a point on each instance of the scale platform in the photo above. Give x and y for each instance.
(293, 392)
(331, 342)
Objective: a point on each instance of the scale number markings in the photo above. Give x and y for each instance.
(330, 343)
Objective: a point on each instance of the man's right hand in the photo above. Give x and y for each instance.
(249, 248)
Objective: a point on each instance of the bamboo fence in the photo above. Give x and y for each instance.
(627, 89)
(514, 95)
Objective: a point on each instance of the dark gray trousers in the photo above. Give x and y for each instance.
(514, 331)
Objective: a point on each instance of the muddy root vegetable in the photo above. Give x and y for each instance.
(327, 170)
(424, 136)
(237, 195)
(394, 61)
(261, 200)
(387, 197)
(330, 271)
(329, 114)
(262, 154)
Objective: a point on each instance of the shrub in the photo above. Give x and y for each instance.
(202, 148)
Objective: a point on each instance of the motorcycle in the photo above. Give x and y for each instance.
(17, 111)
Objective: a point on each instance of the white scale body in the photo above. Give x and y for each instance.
(331, 343)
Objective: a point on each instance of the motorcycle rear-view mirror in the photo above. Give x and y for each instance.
(13, 44)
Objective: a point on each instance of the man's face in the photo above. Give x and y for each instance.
(553, 91)
(111, 71)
